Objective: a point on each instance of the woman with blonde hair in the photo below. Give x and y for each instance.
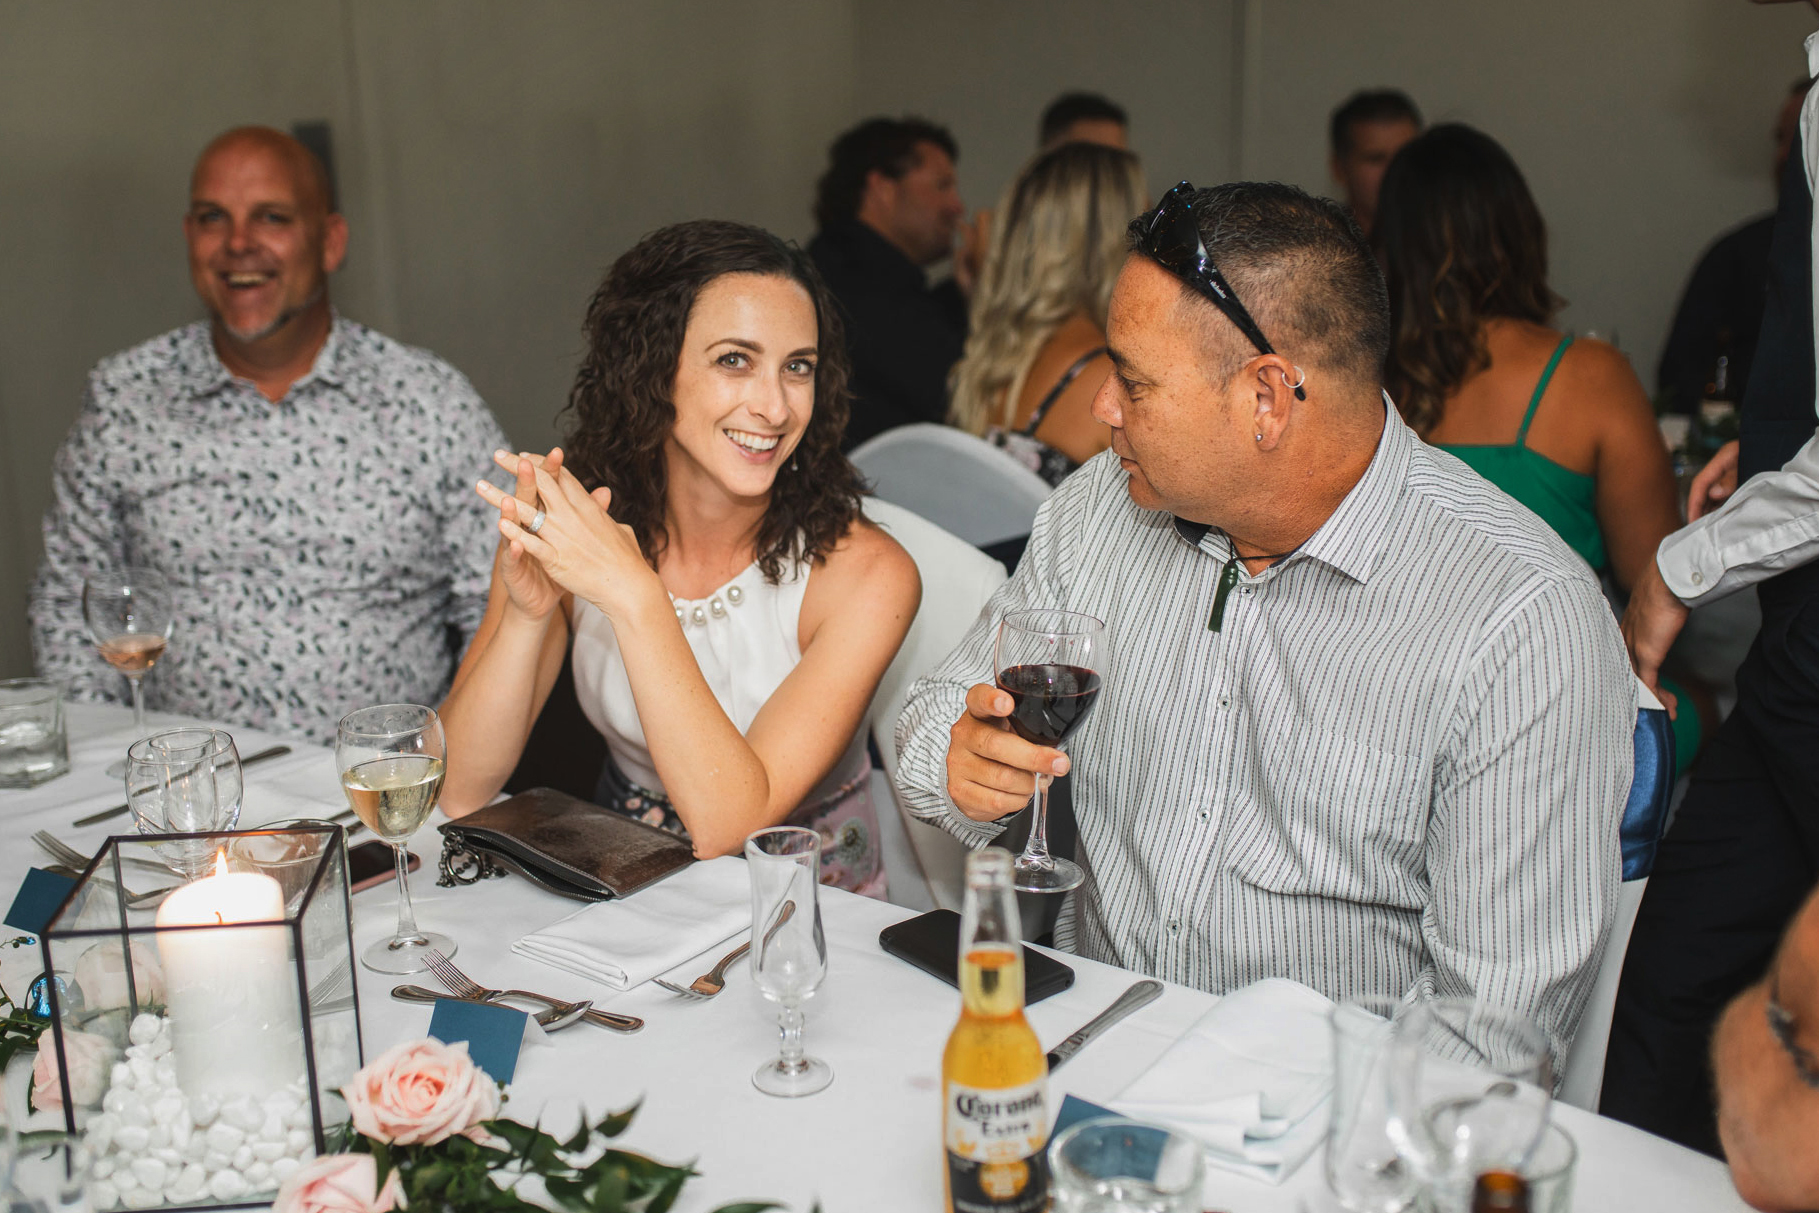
(1036, 356)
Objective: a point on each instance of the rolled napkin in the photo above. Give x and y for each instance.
(1250, 1079)
(627, 942)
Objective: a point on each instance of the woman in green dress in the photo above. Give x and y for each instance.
(1478, 368)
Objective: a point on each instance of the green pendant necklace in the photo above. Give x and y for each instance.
(1228, 577)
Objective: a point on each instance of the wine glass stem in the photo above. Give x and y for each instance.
(407, 917)
(1035, 851)
(789, 1034)
(134, 680)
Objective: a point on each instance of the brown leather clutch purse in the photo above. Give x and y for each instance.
(566, 845)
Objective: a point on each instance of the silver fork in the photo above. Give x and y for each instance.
(134, 901)
(466, 987)
(553, 1020)
(65, 854)
(713, 981)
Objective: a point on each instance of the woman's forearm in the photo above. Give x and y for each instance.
(489, 714)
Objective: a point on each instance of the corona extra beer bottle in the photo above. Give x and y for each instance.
(994, 1076)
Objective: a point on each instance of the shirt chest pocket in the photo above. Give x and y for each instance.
(1325, 815)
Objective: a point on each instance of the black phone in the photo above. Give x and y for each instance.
(371, 863)
(931, 942)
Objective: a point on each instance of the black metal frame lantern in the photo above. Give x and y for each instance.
(201, 1042)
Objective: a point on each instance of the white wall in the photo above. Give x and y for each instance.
(494, 158)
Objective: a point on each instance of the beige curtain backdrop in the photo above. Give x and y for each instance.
(493, 158)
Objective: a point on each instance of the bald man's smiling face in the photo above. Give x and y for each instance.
(261, 239)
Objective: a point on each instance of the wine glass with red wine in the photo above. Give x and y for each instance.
(130, 614)
(1050, 663)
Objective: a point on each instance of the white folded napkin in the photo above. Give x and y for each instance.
(627, 942)
(1250, 1079)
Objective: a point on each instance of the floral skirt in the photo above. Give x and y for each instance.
(851, 857)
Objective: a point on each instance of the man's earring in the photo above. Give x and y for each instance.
(1259, 437)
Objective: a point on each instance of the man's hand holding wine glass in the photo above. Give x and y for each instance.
(989, 767)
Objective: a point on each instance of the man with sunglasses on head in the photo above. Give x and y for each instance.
(1366, 722)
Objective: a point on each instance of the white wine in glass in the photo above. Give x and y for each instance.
(391, 760)
(129, 614)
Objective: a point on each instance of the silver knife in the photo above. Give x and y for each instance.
(1139, 995)
(606, 1019)
(277, 751)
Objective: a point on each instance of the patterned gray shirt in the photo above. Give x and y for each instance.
(327, 550)
(1400, 763)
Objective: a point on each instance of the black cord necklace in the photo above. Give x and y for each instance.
(1228, 577)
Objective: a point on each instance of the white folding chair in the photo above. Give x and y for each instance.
(925, 864)
(1644, 818)
(962, 484)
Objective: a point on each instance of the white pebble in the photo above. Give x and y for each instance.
(243, 1114)
(139, 1198)
(189, 1182)
(102, 1194)
(165, 1071)
(226, 1185)
(135, 1113)
(283, 1102)
(125, 1180)
(259, 1175)
(104, 1166)
(268, 1151)
(101, 1132)
(284, 1168)
(145, 1074)
(273, 1128)
(150, 1173)
(243, 1158)
(160, 1138)
(198, 1146)
(168, 1109)
(299, 1117)
(300, 1142)
(160, 1047)
(130, 1139)
(133, 1051)
(116, 1099)
(203, 1109)
(145, 1028)
(215, 1160)
(224, 1138)
(169, 1157)
(181, 1132)
(121, 1075)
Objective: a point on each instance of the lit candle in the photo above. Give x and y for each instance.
(231, 994)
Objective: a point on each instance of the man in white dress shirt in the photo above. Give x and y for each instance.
(1365, 721)
(1743, 850)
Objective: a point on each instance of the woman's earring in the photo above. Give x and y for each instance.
(792, 463)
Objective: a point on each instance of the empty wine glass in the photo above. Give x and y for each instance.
(184, 781)
(130, 614)
(391, 758)
(1470, 1090)
(1051, 663)
(789, 951)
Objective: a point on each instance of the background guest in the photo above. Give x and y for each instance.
(1083, 118)
(888, 207)
(1364, 134)
(1720, 314)
(733, 613)
(1765, 1065)
(1036, 354)
(1476, 366)
(295, 477)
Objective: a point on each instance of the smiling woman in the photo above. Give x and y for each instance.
(699, 543)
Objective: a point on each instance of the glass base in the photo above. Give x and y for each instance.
(397, 955)
(807, 1076)
(1046, 875)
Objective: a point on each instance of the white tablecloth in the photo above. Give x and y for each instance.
(868, 1144)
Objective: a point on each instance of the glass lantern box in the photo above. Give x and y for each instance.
(202, 1037)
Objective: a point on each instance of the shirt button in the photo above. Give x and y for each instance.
(1225, 701)
(1206, 815)
(1173, 926)
(1698, 578)
(1247, 591)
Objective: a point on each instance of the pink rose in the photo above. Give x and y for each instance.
(338, 1183)
(89, 1059)
(421, 1092)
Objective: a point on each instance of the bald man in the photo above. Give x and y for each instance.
(299, 480)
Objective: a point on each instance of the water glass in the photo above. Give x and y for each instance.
(34, 743)
(789, 950)
(184, 781)
(1113, 1165)
(1549, 1172)
(1363, 1168)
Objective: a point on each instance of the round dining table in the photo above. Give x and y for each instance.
(869, 1143)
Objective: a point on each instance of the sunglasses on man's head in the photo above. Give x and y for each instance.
(1171, 238)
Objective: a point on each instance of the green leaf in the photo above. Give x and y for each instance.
(618, 1122)
(753, 1206)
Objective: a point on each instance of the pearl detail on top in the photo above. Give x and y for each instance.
(716, 607)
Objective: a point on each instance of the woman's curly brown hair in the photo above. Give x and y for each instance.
(620, 411)
(1462, 242)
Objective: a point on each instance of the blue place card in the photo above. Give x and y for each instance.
(494, 1034)
(38, 899)
(1074, 1110)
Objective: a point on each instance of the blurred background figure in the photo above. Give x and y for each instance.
(1083, 118)
(1036, 355)
(1478, 369)
(1720, 314)
(1365, 133)
(887, 209)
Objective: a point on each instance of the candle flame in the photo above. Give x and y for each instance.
(221, 861)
